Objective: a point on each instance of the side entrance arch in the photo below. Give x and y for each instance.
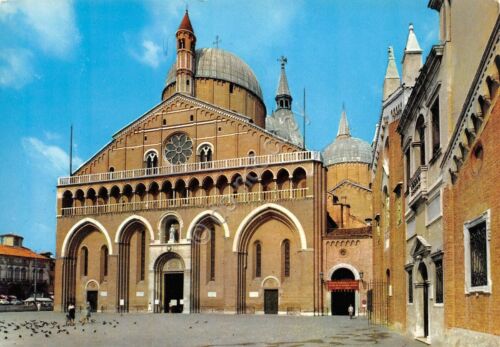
(344, 290)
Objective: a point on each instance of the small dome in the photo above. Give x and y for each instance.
(222, 65)
(345, 148)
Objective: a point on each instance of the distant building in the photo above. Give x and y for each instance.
(21, 268)
(347, 244)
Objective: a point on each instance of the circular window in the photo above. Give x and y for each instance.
(178, 148)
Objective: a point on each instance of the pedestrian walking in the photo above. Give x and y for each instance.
(86, 313)
(351, 311)
(70, 317)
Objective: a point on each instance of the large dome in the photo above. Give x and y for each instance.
(345, 148)
(222, 65)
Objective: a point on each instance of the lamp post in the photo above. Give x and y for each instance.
(34, 280)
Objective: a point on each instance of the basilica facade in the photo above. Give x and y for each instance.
(207, 204)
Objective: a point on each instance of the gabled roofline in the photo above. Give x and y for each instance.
(352, 183)
(174, 97)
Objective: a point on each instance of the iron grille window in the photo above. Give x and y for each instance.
(410, 286)
(258, 264)
(143, 254)
(478, 258)
(212, 255)
(439, 281)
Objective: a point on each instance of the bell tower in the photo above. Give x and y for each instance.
(283, 96)
(185, 64)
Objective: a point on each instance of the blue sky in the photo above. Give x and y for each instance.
(101, 64)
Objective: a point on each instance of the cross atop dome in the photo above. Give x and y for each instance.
(283, 60)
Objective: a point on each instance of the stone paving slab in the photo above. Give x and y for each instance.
(204, 330)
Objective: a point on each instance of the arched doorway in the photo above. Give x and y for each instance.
(423, 283)
(169, 283)
(92, 297)
(270, 286)
(341, 297)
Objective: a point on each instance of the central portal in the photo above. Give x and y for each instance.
(174, 293)
(169, 284)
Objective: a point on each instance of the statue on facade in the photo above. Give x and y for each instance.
(171, 231)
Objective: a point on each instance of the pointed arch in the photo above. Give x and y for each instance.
(208, 213)
(130, 219)
(74, 229)
(266, 208)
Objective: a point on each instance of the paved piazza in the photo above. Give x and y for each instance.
(45, 329)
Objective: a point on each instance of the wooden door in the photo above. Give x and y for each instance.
(271, 301)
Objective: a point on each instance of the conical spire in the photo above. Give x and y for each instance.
(283, 96)
(412, 45)
(392, 69)
(343, 124)
(186, 23)
(391, 80)
(283, 82)
(412, 59)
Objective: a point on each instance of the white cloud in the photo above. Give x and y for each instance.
(151, 54)
(51, 136)
(50, 158)
(51, 21)
(16, 69)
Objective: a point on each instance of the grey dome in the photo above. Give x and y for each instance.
(222, 65)
(345, 148)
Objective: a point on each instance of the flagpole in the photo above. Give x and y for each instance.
(71, 150)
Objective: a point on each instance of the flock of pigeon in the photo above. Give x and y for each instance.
(47, 329)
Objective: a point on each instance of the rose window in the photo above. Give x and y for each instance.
(178, 149)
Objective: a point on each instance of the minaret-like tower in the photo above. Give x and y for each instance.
(283, 95)
(391, 80)
(343, 130)
(186, 41)
(412, 59)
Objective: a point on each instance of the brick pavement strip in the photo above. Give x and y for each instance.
(46, 329)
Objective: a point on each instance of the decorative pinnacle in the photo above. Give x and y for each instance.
(391, 53)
